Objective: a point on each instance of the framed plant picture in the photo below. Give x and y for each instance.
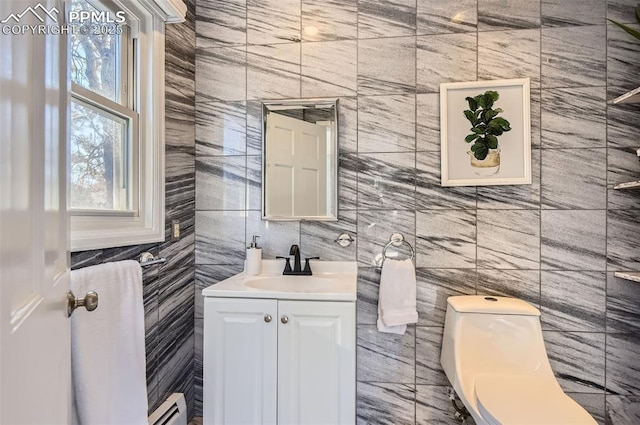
(485, 133)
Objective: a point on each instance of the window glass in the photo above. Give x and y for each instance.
(99, 155)
(99, 135)
(95, 59)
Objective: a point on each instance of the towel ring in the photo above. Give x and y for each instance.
(397, 239)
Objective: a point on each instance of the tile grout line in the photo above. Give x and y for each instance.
(416, 203)
(539, 120)
(606, 218)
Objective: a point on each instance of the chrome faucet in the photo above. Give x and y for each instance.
(297, 266)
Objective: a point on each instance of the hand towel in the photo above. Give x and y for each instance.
(397, 296)
(107, 346)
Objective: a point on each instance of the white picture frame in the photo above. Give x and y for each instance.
(458, 164)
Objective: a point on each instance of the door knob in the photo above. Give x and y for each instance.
(267, 318)
(284, 319)
(90, 302)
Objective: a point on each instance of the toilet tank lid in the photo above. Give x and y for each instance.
(487, 304)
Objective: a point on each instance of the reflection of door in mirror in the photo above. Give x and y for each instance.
(296, 161)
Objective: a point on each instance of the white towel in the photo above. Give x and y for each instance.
(107, 346)
(397, 296)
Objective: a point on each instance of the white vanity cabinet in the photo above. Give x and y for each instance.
(285, 362)
(240, 355)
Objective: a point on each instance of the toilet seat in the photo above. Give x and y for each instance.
(526, 400)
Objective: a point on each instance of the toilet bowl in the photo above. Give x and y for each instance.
(494, 357)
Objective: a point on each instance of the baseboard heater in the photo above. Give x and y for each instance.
(172, 412)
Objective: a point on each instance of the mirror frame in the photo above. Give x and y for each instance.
(329, 102)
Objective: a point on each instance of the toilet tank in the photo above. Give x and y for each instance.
(485, 334)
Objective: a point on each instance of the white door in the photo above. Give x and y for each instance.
(35, 361)
(316, 363)
(297, 164)
(240, 359)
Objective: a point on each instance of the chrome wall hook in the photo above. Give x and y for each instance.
(344, 240)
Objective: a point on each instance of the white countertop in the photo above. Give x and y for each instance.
(331, 281)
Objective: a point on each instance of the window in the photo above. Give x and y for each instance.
(116, 128)
(104, 133)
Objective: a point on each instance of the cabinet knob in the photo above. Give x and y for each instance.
(284, 319)
(267, 318)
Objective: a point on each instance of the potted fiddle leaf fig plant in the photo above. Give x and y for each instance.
(486, 127)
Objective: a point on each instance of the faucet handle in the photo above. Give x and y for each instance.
(287, 264)
(307, 266)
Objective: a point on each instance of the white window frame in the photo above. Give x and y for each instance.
(95, 230)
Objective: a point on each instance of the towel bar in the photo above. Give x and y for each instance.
(147, 259)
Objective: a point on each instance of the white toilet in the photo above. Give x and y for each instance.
(494, 356)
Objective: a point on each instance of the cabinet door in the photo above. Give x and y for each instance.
(240, 359)
(316, 363)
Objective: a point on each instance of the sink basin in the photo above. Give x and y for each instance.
(289, 283)
(331, 281)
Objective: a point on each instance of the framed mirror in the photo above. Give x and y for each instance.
(300, 160)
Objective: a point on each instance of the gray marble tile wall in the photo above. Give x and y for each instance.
(555, 243)
(169, 288)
